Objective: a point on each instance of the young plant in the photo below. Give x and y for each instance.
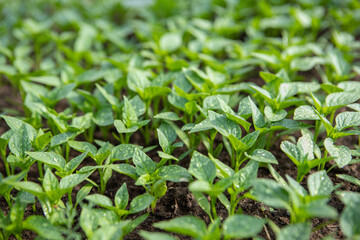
(138, 204)
(303, 155)
(302, 206)
(236, 226)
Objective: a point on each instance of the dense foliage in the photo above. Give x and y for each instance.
(205, 92)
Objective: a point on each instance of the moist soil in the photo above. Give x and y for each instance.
(178, 200)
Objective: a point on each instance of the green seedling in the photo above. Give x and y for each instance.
(236, 226)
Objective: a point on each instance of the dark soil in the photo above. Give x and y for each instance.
(178, 201)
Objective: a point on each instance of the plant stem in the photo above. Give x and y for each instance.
(41, 172)
(213, 206)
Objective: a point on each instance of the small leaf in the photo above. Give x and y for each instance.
(319, 184)
(342, 154)
(299, 231)
(223, 125)
(174, 173)
(261, 155)
(185, 225)
(140, 203)
(270, 193)
(156, 236)
(100, 200)
(202, 167)
(122, 197)
(42, 227)
(144, 164)
(170, 42)
(83, 147)
(49, 158)
(170, 116)
(347, 119)
(242, 226)
(274, 117)
(123, 152)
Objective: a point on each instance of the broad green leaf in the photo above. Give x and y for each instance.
(50, 182)
(264, 93)
(262, 155)
(83, 147)
(140, 203)
(49, 158)
(242, 226)
(121, 128)
(274, 117)
(104, 116)
(338, 62)
(306, 147)
(270, 193)
(42, 227)
(73, 180)
(320, 184)
(223, 125)
(203, 202)
(108, 232)
(19, 142)
(347, 119)
(62, 138)
(156, 236)
(336, 100)
(202, 126)
(258, 117)
(202, 167)
(292, 151)
(122, 197)
(185, 225)
(123, 152)
(350, 217)
(100, 200)
(152, 92)
(170, 116)
(341, 154)
(170, 42)
(299, 231)
(126, 169)
(174, 173)
(74, 163)
(222, 170)
(144, 164)
(129, 115)
(246, 175)
(82, 193)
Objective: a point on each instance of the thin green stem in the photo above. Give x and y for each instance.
(41, 172)
(213, 206)
(7, 167)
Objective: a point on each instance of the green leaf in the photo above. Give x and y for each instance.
(19, 142)
(49, 158)
(274, 117)
(334, 101)
(74, 163)
(152, 92)
(100, 200)
(140, 203)
(202, 167)
(62, 138)
(242, 226)
(72, 180)
(258, 117)
(203, 202)
(42, 227)
(261, 155)
(185, 225)
(170, 42)
(50, 182)
(338, 62)
(342, 154)
(170, 116)
(349, 178)
(174, 173)
(108, 232)
(129, 115)
(104, 116)
(223, 125)
(41, 141)
(202, 126)
(156, 236)
(245, 176)
(82, 193)
(299, 231)
(319, 184)
(350, 217)
(144, 164)
(126, 169)
(83, 147)
(15, 124)
(121, 128)
(123, 152)
(122, 197)
(270, 193)
(347, 119)
(292, 151)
